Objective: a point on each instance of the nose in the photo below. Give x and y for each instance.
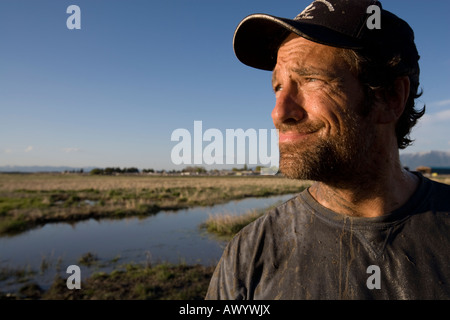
(287, 108)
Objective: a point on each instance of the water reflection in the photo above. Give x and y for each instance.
(169, 236)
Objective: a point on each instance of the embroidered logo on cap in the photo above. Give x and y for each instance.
(305, 14)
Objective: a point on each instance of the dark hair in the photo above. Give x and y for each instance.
(378, 67)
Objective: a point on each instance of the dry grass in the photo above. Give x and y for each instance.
(129, 282)
(35, 199)
(228, 224)
(39, 182)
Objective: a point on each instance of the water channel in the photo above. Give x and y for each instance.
(168, 236)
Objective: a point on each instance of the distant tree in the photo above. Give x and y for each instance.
(200, 170)
(97, 171)
(131, 170)
(245, 168)
(194, 169)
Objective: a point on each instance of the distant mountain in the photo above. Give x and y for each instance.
(41, 169)
(433, 159)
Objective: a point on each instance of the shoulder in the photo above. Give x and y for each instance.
(269, 235)
(275, 221)
(431, 205)
(439, 205)
(439, 194)
(440, 187)
(259, 242)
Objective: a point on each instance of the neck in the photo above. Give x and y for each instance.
(381, 187)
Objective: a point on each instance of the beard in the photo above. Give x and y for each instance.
(335, 159)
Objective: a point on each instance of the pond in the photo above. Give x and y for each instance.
(169, 236)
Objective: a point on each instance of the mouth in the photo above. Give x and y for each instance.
(293, 136)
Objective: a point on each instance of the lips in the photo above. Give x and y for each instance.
(294, 133)
(293, 136)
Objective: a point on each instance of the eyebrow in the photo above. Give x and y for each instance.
(310, 71)
(304, 72)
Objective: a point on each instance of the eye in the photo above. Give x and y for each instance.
(277, 88)
(312, 79)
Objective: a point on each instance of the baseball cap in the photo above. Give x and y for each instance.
(337, 23)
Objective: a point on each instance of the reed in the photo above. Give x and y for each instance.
(27, 200)
(228, 224)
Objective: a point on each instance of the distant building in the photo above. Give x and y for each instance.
(424, 170)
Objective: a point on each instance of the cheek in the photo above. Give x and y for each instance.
(343, 105)
(327, 109)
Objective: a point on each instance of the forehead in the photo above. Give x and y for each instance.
(298, 52)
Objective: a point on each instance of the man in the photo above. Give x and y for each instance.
(367, 228)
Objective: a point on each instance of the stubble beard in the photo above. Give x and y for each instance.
(336, 159)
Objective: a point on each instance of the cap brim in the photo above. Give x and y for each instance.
(258, 37)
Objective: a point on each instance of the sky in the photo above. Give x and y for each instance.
(112, 93)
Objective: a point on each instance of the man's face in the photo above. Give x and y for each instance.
(319, 102)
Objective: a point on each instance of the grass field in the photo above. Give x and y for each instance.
(131, 282)
(30, 199)
(27, 200)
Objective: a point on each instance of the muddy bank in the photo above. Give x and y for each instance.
(132, 282)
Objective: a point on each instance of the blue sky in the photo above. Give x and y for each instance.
(112, 93)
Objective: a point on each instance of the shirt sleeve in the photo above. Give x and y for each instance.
(241, 265)
(225, 283)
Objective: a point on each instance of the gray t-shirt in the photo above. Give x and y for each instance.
(301, 250)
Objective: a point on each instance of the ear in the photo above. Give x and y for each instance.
(393, 101)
